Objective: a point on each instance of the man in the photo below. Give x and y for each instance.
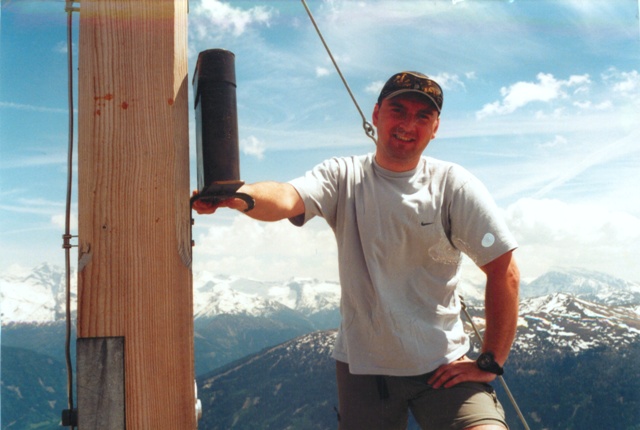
(401, 221)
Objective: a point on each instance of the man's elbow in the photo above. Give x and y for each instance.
(503, 272)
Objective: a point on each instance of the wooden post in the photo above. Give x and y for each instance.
(134, 266)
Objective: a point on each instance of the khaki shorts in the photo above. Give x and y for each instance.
(383, 402)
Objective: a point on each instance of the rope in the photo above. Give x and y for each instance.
(500, 378)
(368, 128)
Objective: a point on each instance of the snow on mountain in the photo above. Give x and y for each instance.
(221, 298)
(308, 296)
(37, 295)
(215, 295)
(564, 321)
(586, 284)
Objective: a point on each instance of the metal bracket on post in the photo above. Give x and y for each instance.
(101, 395)
(69, 6)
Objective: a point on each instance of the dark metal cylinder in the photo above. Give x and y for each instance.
(214, 87)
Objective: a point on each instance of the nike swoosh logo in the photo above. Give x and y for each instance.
(425, 223)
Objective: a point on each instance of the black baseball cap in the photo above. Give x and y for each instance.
(412, 82)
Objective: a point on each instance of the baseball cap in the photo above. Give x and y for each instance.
(412, 82)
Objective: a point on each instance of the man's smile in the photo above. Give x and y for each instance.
(403, 138)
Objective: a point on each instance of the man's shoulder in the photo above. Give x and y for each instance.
(445, 169)
(339, 168)
(359, 160)
(348, 163)
(436, 163)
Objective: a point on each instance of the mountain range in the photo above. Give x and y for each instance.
(575, 364)
(38, 295)
(263, 361)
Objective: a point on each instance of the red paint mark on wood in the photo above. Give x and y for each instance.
(106, 97)
(97, 111)
(170, 101)
(124, 105)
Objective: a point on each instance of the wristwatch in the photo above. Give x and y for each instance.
(487, 362)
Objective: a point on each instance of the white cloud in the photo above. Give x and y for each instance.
(448, 81)
(551, 233)
(33, 108)
(267, 251)
(625, 84)
(606, 10)
(61, 48)
(214, 16)
(577, 165)
(471, 76)
(555, 233)
(374, 87)
(36, 206)
(253, 146)
(563, 98)
(59, 221)
(520, 94)
(557, 140)
(322, 71)
(589, 105)
(34, 159)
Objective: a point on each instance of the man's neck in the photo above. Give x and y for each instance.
(396, 166)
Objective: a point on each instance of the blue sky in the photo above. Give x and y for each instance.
(542, 103)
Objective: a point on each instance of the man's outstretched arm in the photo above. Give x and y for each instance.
(274, 201)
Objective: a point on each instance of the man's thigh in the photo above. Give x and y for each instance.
(463, 406)
(382, 403)
(362, 406)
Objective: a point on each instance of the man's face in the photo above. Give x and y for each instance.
(406, 124)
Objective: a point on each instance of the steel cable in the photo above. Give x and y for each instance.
(66, 245)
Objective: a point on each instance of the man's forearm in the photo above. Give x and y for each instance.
(501, 307)
(274, 201)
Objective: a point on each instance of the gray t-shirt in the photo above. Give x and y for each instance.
(400, 238)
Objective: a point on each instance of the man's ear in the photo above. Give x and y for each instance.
(436, 125)
(374, 117)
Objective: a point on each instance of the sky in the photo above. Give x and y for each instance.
(541, 102)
